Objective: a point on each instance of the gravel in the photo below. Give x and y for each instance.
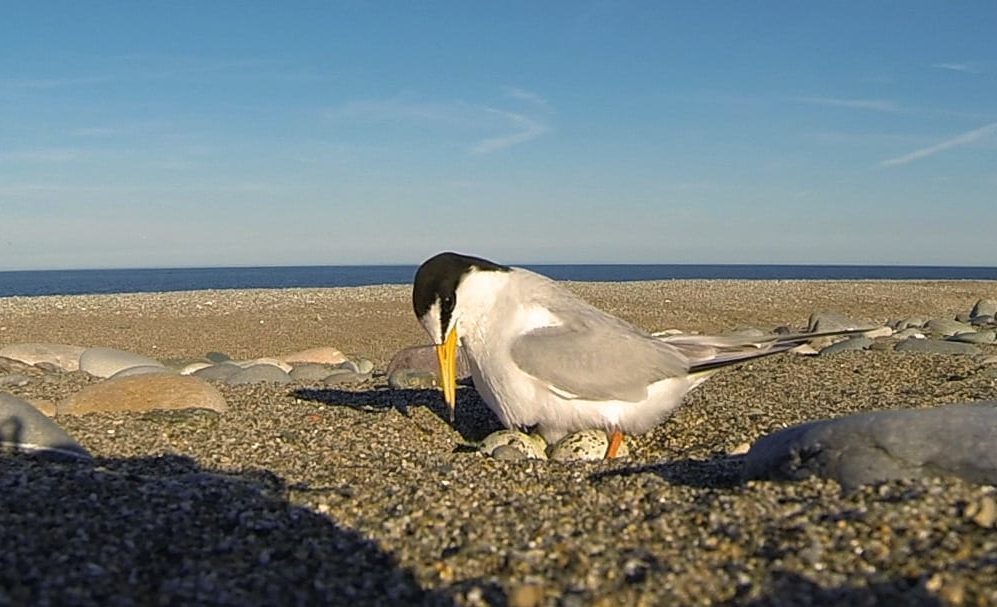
(310, 495)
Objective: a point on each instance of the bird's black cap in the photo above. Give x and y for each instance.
(438, 277)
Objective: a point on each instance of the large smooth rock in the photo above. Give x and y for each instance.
(24, 427)
(145, 393)
(423, 358)
(954, 440)
(63, 356)
(947, 328)
(827, 320)
(325, 355)
(935, 346)
(257, 374)
(984, 307)
(105, 362)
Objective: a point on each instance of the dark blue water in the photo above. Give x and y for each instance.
(78, 282)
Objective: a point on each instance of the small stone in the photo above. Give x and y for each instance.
(412, 379)
(145, 393)
(508, 453)
(526, 595)
(323, 355)
(23, 427)
(350, 366)
(105, 362)
(983, 512)
(741, 449)
(65, 357)
(365, 365)
(530, 446)
(587, 445)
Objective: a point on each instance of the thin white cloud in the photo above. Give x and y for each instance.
(522, 94)
(948, 144)
(966, 68)
(456, 116)
(877, 105)
(526, 129)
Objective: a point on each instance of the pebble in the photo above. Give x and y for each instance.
(105, 362)
(23, 427)
(983, 512)
(873, 447)
(65, 357)
(587, 445)
(163, 391)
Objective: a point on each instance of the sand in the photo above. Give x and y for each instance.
(300, 495)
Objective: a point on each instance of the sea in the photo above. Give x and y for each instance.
(83, 282)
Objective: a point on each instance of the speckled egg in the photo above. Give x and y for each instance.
(532, 447)
(587, 445)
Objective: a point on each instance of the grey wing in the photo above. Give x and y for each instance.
(597, 359)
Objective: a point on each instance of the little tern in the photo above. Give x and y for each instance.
(543, 358)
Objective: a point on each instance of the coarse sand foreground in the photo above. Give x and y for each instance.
(303, 495)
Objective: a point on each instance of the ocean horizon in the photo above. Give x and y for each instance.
(145, 280)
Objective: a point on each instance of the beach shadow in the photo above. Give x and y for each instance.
(474, 420)
(720, 471)
(785, 588)
(164, 531)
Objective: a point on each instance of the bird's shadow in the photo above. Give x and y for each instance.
(719, 471)
(473, 420)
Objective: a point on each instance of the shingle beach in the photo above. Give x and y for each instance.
(305, 494)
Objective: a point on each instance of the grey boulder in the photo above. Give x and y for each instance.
(935, 346)
(953, 440)
(23, 427)
(984, 307)
(105, 362)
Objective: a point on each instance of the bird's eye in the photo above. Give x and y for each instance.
(448, 302)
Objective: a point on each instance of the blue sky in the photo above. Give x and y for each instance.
(163, 134)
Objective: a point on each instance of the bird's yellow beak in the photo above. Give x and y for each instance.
(446, 353)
